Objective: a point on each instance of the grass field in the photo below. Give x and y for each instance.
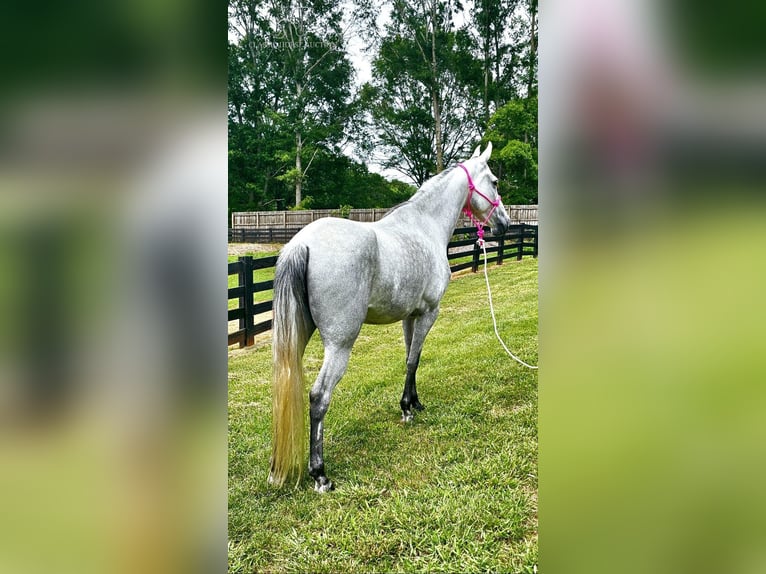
(454, 491)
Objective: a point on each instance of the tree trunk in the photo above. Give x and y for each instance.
(298, 167)
(532, 46)
(487, 66)
(438, 134)
(497, 59)
(435, 97)
(486, 86)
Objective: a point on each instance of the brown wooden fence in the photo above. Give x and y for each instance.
(266, 219)
(463, 253)
(281, 226)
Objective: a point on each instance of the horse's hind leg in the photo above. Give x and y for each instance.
(415, 331)
(333, 368)
(410, 395)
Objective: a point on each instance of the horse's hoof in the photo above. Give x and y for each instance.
(324, 484)
(407, 417)
(418, 406)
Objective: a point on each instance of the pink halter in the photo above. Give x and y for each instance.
(467, 207)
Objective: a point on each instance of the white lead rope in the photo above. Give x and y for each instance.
(492, 311)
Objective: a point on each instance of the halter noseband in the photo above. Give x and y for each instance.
(467, 207)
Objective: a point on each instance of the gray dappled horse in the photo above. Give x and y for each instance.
(337, 274)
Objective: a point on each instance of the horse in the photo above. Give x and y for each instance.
(337, 274)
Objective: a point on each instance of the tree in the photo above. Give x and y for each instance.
(494, 27)
(256, 134)
(436, 88)
(505, 33)
(421, 102)
(513, 133)
(339, 180)
(296, 81)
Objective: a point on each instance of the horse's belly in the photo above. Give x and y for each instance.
(390, 308)
(401, 290)
(386, 316)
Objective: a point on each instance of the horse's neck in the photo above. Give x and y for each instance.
(440, 203)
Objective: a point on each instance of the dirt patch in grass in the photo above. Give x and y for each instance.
(245, 248)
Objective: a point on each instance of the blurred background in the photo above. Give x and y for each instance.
(112, 363)
(652, 275)
(113, 251)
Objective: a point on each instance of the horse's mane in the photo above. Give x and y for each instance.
(427, 186)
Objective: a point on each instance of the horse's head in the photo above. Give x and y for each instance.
(484, 202)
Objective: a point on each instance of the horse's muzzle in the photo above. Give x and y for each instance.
(500, 222)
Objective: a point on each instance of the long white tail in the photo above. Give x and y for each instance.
(291, 328)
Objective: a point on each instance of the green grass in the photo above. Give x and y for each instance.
(454, 491)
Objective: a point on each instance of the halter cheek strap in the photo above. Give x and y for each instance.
(467, 207)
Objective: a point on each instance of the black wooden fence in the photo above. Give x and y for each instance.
(265, 235)
(246, 288)
(517, 242)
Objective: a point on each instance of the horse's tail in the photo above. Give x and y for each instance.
(292, 326)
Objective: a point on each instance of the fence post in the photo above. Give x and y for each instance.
(475, 264)
(246, 299)
(500, 247)
(535, 236)
(520, 242)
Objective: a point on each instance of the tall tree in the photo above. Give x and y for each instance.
(299, 79)
(506, 32)
(256, 133)
(513, 133)
(422, 98)
(506, 35)
(495, 27)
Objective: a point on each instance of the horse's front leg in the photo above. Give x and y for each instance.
(333, 368)
(415, 331)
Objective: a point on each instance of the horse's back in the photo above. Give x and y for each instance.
(338, 241)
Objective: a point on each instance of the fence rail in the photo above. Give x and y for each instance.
(281, 226)
(247, 310)
(265, 235)
(518, 241)
(266, 219)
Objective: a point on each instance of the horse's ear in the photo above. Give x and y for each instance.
(487, 152)
(476, 152)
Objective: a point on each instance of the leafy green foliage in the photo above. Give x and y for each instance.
(420, 100)
(294, 113)
(513, 132)
(289, 95)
